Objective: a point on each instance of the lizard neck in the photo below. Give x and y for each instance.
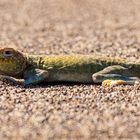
(34, 61)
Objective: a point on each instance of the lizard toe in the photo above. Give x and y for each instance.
(111, 83)
(106, 83)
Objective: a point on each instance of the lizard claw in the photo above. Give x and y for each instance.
(111, 83)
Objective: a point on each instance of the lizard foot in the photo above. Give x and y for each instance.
(11, 79)
(111, 83)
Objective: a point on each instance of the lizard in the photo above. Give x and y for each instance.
(29, 69)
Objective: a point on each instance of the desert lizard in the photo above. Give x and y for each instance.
(32, 69)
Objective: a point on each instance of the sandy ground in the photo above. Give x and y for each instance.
(73, 112)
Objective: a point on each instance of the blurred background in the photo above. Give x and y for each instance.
(71, 26)
(33, 13)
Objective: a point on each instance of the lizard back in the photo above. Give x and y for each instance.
(75, 68)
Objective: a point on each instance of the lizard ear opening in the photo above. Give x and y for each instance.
(7, 53)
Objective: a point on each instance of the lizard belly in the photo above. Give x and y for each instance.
(70, 77)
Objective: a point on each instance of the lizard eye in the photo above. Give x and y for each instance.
(7, 53)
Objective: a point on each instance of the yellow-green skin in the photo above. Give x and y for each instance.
(71, 68)
(77, 68)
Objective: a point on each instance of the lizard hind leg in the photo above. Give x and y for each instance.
(114, 75)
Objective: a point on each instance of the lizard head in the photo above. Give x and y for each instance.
(12, 62)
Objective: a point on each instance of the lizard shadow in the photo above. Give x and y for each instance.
(57, 84)
(48, 84)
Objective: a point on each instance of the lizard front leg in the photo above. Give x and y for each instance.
(35, 76)
(31, 76)
(114, 75)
